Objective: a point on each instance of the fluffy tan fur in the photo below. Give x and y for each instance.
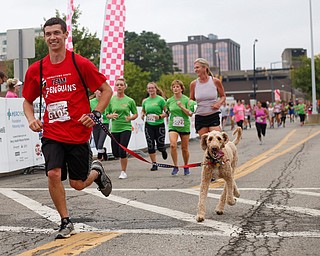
(220, 160)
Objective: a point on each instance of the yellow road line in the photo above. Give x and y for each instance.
(255, 163)
(74, 245)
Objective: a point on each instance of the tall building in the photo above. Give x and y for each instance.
(222, 54)
(291, 57)
(3, 46)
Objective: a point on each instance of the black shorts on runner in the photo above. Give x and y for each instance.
(180, 133)
(207, 121)
(73, 159)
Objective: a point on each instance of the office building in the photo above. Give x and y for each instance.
(222, 54)
(291, 57)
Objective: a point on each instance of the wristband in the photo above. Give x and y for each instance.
(159, 117)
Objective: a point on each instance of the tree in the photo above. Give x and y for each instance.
(137, 81)
(166, 80)
(149, 52)
(84, 43)
(301, 77)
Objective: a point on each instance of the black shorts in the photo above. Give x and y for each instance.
(180, 133)
(207, 121)
(73, 159)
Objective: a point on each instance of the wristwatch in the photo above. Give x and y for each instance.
(96, 113)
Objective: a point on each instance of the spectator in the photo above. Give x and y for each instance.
(13, 88)
(3, 78)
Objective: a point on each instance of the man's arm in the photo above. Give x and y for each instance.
(34, 124)
(106, 94)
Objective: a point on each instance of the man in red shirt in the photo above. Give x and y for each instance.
(66, 124)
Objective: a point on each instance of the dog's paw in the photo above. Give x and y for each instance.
(199, 218)
(231, 201)
(219, 212)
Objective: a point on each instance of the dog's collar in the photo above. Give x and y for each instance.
(216, 160)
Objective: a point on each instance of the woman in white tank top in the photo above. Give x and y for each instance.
(205, 90)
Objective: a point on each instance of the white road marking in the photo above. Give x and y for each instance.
(44, 211)
(306, 211)
(177, 232)
(224, 229)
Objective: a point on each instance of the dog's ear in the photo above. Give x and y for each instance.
(203, 141)
(225, 137)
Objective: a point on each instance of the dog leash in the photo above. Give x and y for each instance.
(106, 130)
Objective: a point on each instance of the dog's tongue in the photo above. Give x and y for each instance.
(220, 154)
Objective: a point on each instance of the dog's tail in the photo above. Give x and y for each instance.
(237, 131)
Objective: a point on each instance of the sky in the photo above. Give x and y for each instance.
(276, 24)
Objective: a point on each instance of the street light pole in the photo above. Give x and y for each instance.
(313, 76)
(254, 68)
(217, 52)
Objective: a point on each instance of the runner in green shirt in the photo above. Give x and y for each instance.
(180, 109)
(118, 111)
(99, 136)
(301, 110)
(153, 112)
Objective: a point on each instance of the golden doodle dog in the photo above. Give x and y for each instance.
(220, 160)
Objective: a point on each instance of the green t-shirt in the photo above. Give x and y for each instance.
(153, 106)
(300, 108)
(122, 107)
(178, 120)
(93, 104)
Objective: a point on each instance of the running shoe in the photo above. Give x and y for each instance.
(66, 230)
(123, 175)
(103, 181)
(186, 171)
(154, 167)
(175, 171)
(164, 154)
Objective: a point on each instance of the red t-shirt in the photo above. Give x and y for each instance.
(65, 96)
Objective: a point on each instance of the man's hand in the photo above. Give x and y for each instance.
(36, 125)
(86, 120)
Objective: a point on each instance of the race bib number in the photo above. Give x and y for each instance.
(58, 111)
(178, 121)
(151, 118)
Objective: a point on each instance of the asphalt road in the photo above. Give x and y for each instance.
(153, 213)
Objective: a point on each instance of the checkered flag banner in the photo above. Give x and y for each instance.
(70, 11)
(112, 43)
